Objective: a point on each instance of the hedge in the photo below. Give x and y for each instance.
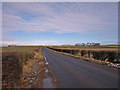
(110, 56)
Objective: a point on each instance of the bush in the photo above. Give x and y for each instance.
(112, 56)
(83, 52)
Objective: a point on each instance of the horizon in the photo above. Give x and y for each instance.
(56, 45)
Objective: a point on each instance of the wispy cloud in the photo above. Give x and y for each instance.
(59, 18)
(49, 17)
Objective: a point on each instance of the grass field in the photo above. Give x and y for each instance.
(87, 47)
(20, 48)
(114, 48)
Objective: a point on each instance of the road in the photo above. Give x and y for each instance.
(77, 73)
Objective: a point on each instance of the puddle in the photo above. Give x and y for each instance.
(46, 63)
(45, 58)
(46, 70)
(47, 83)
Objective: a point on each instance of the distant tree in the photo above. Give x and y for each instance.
(9, 45)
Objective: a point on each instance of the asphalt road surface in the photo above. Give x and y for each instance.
(77, 73)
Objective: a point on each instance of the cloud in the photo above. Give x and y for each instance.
(60, 19)
(31, 8)
(49, 42)
(11, 22)
(83, 18)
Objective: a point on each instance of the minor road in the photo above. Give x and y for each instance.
(77, 73)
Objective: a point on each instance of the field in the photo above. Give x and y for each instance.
(87, 47)
(13, 60)
(20, 48)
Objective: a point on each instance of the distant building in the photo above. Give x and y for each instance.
(88, 44)
(83, 44)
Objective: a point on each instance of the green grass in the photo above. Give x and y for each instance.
(87, 47)
(72, 46)
(110, 46)
(20, 48)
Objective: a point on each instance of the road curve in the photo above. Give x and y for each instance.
(76, 73)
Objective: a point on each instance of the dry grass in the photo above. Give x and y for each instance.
(28, 67)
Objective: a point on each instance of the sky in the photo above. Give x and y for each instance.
(58, 23)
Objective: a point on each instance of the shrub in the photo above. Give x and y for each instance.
(111, 56)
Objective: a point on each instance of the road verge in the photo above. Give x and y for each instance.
(33, 71)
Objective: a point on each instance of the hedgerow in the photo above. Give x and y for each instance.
(104, 55)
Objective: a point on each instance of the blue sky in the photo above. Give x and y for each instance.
(60, 23)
